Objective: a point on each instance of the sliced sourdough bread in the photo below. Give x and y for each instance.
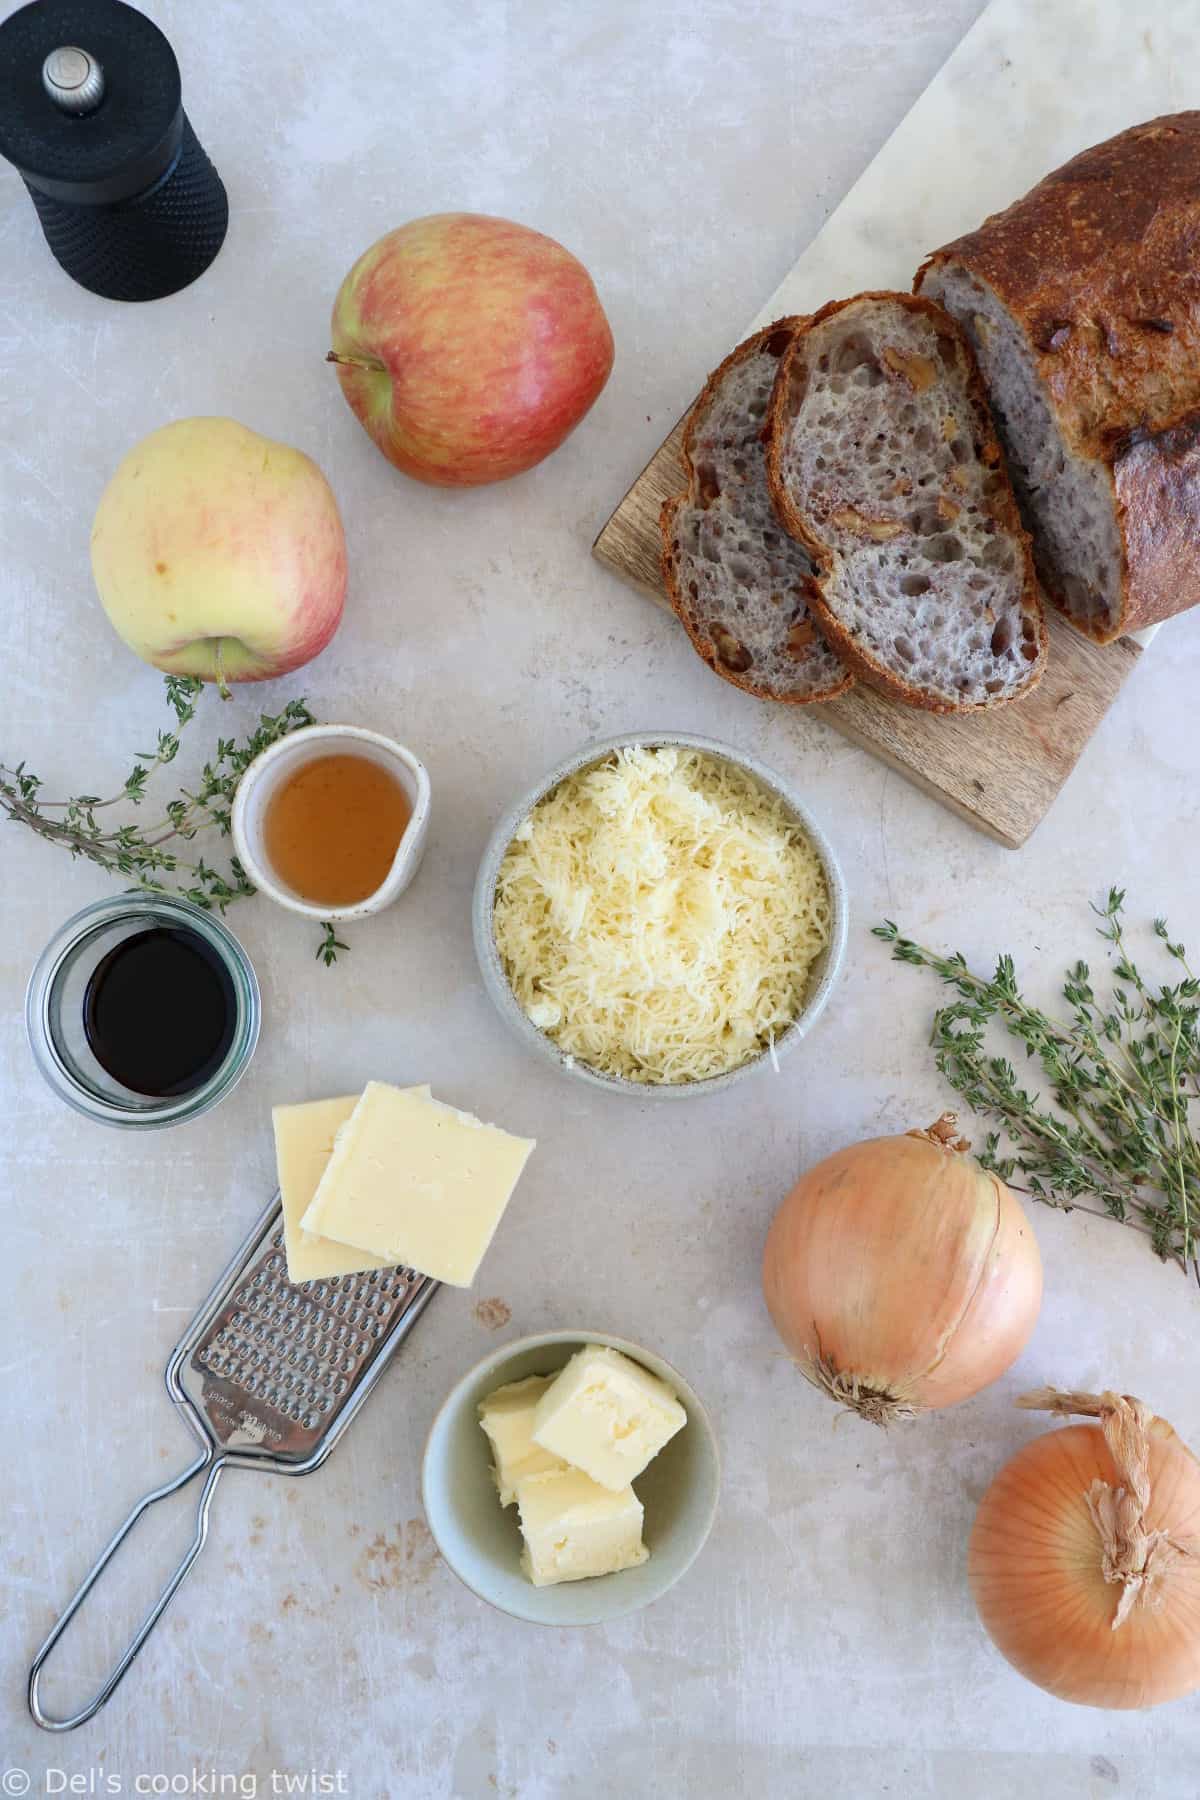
(1082, 302)
(737, 580)
(884, 464)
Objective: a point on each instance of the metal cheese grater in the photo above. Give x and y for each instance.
(268, 1376)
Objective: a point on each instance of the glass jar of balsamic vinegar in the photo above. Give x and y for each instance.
(143, 1010)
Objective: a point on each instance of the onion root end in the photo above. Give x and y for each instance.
(878, 1406)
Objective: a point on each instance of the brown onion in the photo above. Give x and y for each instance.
(901, 1275)
(1085, 1556)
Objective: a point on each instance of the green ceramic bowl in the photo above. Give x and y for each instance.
(481, 1540)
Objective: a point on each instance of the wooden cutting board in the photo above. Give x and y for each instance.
(1028, 87)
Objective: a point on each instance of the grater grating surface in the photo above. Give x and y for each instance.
(268, 1375)
(278, 1360)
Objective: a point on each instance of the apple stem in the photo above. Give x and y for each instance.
(222, 684)
(356, 362)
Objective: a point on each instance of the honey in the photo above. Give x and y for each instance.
(333, 828)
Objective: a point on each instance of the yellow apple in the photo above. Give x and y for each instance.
(220, 553)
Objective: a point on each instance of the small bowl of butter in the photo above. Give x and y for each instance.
(571, 1477)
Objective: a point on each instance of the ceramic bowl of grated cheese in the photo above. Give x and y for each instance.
(660, 916)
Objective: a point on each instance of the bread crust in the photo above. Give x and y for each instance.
(784, 400)
(701, 641)
(1157, 484)
(1099, 264)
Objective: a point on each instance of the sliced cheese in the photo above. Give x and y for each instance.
(304, 1137)
(412, 1181)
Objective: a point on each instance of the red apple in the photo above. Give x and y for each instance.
(468, 347)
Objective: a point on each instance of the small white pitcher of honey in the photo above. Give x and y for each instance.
(331, 821)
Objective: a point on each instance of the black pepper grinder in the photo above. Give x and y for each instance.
(91, 115)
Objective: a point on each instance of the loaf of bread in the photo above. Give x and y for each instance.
(1082, 302)
(883, 463)
(736, 579)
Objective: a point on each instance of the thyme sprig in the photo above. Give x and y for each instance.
(1123, 1073)
(331, 943)
(146, 854)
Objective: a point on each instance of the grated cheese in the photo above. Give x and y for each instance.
(658, 916)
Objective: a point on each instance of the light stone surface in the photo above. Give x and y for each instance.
(825, 1645)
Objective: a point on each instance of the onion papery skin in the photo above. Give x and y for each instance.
(902, 1276)
(1035, 1567)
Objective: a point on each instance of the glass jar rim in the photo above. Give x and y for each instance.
(55, 960)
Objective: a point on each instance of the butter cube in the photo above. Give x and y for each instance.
(507, 1418)
(304, 1137)
(412, 1181)
(573, 1528)
(607, 1416)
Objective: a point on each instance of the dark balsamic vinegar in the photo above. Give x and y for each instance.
(160, 1012)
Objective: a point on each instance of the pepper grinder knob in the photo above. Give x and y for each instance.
(73, 79)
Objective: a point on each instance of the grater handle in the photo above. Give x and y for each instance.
(215, 1468)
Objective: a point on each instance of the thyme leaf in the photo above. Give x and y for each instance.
(327, 949)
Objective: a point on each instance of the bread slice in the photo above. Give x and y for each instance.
(884, 464)
(738, 582)
(1082, 303)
